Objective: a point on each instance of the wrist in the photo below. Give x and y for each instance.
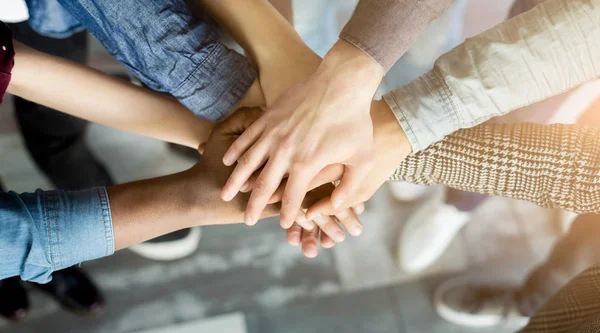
(345, 54)
(388, 135)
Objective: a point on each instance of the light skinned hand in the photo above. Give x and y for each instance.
(310, 238)
(391, 147)
(322, 121)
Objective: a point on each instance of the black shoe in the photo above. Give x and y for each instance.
(74, 291)
(14, 304)
(173, 246)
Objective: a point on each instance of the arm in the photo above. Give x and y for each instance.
(554, 166)
(385, 29)
(49, 230)
(97, 97)
(170, 51)
(528, 58)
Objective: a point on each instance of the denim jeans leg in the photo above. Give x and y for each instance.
(56, 141)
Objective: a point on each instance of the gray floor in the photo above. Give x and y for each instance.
(249, 280)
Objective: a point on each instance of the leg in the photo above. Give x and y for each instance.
(571, 255)
(56, 140)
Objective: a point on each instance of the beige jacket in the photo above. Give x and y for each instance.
(541, 53)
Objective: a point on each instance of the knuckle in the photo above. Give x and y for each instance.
(260, 185)
(343, 215)
(285, 145)
(287, 200)
(245, 160)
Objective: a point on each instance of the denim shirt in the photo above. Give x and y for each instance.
(159, 42)
(46, 231)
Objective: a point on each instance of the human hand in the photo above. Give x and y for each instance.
(391, 148)
(310, 238)
(305, 131)
(204, 181)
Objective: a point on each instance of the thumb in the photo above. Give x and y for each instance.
(351, 182)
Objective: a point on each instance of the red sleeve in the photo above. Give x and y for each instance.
(7, 55)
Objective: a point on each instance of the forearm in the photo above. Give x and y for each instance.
(255, 24)
(146, 209)
(100, 98)
(554, 166)
(385, 29)
(149, 208)
(269, 41)
(528, 58)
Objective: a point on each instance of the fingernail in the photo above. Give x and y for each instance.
(226, 161)
(249, 221)
(301, 219)
(358, 210)
(337, 203)
(226, 196)
(356, 230)
(339, 236)
(313, 217)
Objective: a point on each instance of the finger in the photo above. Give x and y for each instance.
(252, 160)
(330, 226)
(201, 148)
(302, 221)
(359, 208)
(293, 195)
(349, 220)
(310, 245)
(326, 241)
(276, 197)
(244, 142)
(294, 234)
(319, 208)
(328, 174)
(351, 182)
(266, 183)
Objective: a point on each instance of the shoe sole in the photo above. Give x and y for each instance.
(170, 250)
(449, 314)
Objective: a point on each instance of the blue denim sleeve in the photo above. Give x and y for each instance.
(46, 231)
(170, 51)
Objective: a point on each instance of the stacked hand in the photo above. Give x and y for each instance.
(317, 128)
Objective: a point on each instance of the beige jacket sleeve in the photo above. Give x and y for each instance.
(541, 53)
(554, 166)
(385, 29)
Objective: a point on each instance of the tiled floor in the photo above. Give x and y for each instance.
(249, 280)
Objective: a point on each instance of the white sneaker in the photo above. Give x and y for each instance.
(461, 303)
(403, 191)
(427, 234)
(173, 246)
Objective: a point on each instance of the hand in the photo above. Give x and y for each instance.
(310, 238)
(391, 148)
(204, 181)
(322, 121)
